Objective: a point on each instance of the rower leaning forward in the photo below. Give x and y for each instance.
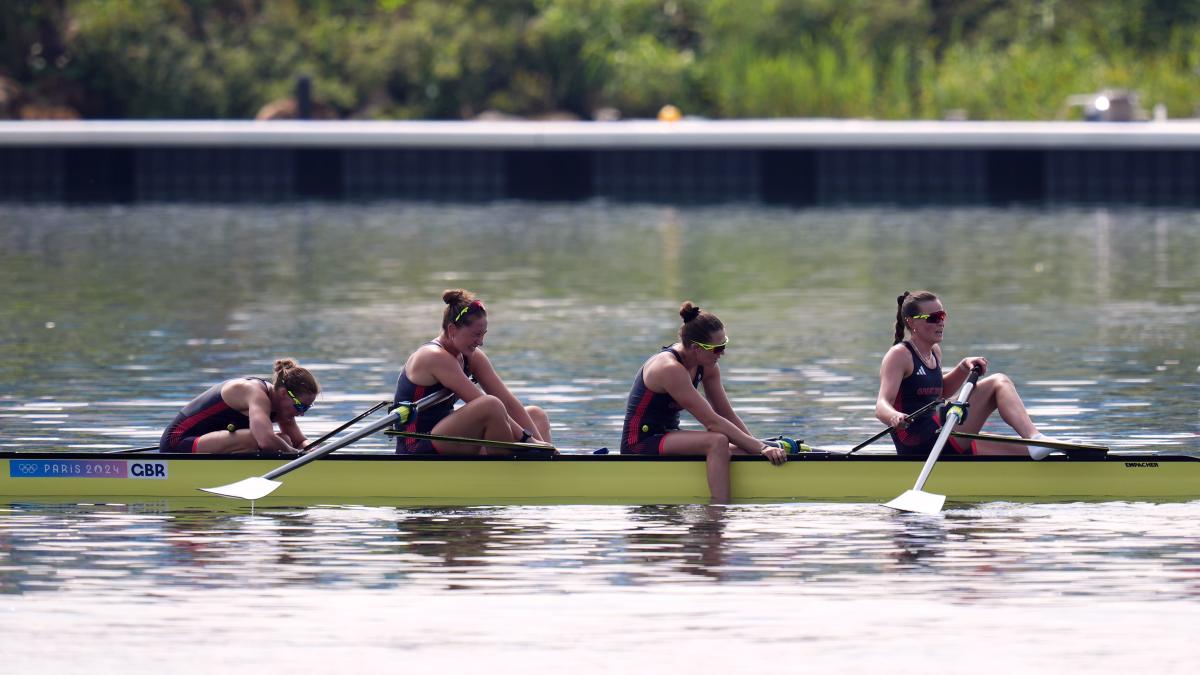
(668, 383)
(455, 360)
(238, 416)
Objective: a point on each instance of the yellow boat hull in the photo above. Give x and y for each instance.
(602, 479)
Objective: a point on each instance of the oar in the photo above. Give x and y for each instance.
(126, 451)
(1057, 445)
(512, 445)
(257, 487)
(911, 418)
(312, 446)
(916, 499)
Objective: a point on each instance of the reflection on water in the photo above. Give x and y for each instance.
(664, 588)
(116, 316)
(997, 551)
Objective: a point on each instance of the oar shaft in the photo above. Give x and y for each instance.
(911, 418)
(1017, 440)
(471, 441)
(952, 419)
(432, 399)
(347, 425)
(127, 451)
(317, 454)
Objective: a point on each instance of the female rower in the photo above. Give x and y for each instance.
(236, 416)
(911, 376)
(451, 361)
(667, 383)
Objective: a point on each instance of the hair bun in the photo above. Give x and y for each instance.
(688, 311)
(454, 296)
(284, 364)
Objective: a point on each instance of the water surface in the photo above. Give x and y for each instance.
(114, 317)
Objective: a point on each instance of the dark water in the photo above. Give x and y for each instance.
(114, 317)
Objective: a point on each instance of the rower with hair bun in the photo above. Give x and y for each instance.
(667, 383)
(238, 416)
(451, 361)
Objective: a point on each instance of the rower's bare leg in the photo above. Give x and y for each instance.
(240, 442)
(715, 448)
(540, 420)
(992, 393)
(485, 417)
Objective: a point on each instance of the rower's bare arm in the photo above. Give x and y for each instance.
(714, 391)
(258, 409)
(447, 371)
(291, 430)
(891, 372)
(674, 378)
(491, 383)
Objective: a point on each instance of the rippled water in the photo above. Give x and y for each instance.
(600, 588)
(114, 317)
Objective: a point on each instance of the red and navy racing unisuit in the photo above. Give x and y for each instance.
(650, 416)
(917, 390)
(424, 420)
(205, 414)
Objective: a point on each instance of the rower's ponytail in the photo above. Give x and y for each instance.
(908, 304)
(900, 317)
(289, 375)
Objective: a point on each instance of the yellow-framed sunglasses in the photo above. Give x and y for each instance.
(716, 349)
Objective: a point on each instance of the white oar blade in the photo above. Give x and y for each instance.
(918, 501)
(249, 488)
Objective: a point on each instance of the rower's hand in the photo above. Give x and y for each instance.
(777, 455)
(973, 362)
(899, 421)
(544, 444)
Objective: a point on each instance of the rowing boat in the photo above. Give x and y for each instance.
(810, 476)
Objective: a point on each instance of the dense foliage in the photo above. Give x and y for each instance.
(450, 59)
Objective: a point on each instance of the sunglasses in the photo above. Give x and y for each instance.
(933, 317)
(300, 406)
(716, 349)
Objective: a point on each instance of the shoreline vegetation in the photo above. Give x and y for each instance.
(592, 59)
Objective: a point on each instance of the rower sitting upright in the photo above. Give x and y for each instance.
(911, 376)
(451, 361)
(237, 416)
(667, 383)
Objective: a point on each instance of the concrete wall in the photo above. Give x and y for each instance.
(784, 162)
